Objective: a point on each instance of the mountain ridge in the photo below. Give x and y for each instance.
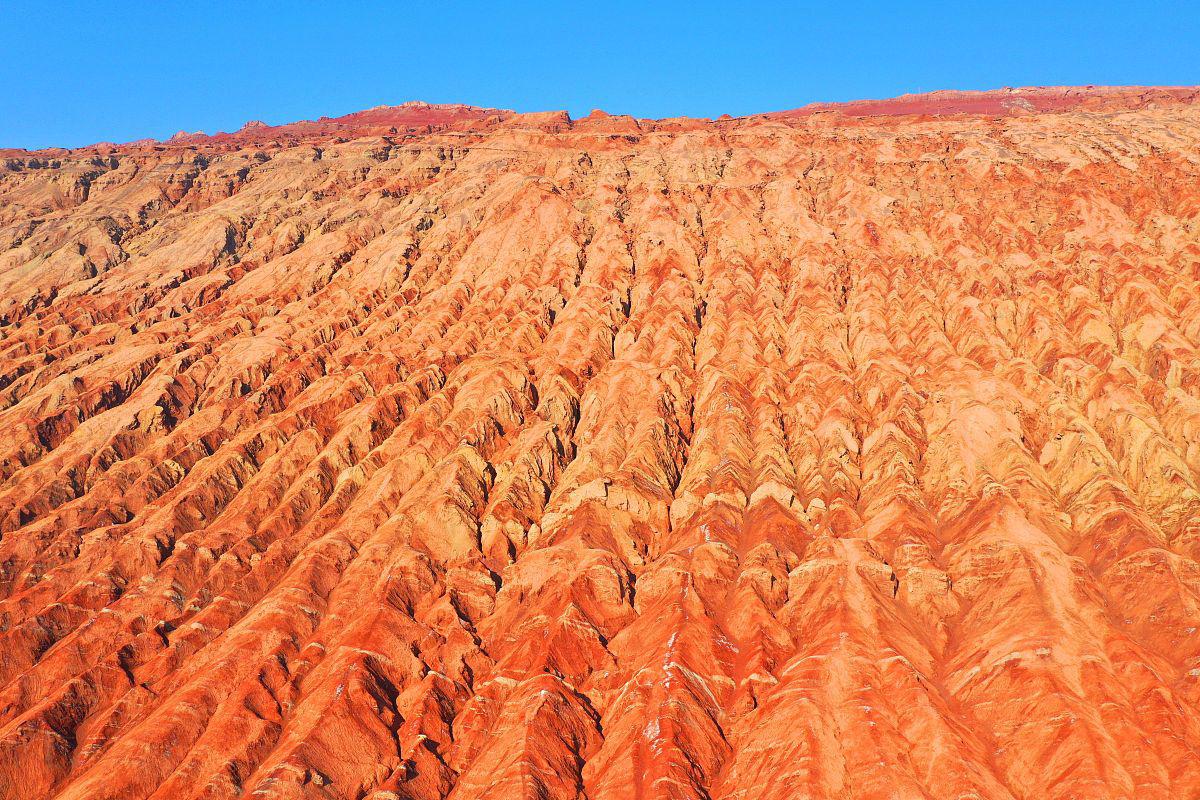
(526, 457)
(415, 115)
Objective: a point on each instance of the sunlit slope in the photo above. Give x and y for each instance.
(480, 455)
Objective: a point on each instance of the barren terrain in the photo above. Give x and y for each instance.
(441, 452)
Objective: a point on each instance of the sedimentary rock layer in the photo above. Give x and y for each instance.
(439, 452)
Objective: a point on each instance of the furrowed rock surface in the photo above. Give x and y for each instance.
(439, 452)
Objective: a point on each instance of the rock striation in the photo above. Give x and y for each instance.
(440, 452)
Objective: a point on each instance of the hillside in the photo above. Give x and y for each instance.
(442, 452)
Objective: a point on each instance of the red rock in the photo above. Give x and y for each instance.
(442, 452)
(1007, 102)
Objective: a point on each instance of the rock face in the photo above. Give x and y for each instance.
(439, 452)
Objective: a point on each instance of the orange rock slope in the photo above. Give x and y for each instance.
(439, 452)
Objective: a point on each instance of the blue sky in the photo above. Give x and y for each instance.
(77, 73)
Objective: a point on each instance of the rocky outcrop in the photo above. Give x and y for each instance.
(438, 452)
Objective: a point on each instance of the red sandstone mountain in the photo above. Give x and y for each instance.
(441, 452)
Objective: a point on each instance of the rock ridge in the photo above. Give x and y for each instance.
(437, 452)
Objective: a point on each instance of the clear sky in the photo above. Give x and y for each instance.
(74, 73)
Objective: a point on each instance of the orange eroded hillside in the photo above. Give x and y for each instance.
(440, 452)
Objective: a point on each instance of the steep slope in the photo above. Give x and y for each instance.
(440, 452)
